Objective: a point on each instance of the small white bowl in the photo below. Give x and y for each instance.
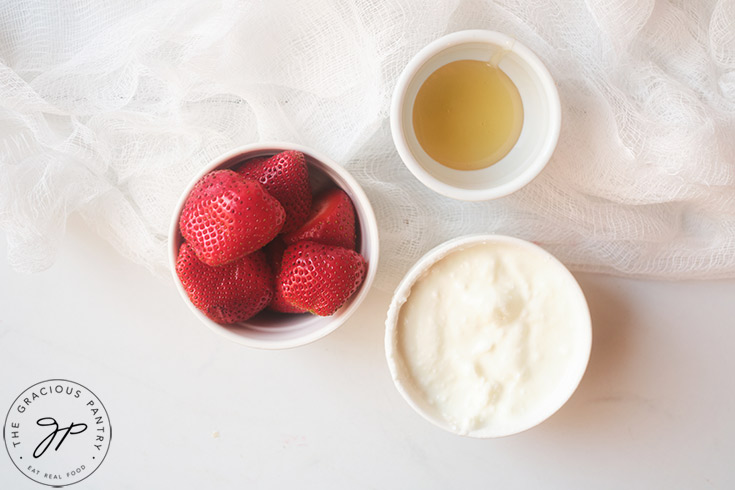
(400, 370)
(541, 116)
(272, 330)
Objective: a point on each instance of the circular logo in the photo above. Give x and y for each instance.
(57, 432)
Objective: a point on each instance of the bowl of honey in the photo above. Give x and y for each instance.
(475, 115)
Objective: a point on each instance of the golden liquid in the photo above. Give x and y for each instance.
(468, 115)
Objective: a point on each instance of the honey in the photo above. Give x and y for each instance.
(468, 115)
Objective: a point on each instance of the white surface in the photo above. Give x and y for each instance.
(655, 409)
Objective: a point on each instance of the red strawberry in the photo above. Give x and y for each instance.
(230, 293)
(332, 221)
(226, 217)
(286, 177)
(274, 253)
(320, 278)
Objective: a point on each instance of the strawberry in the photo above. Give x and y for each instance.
(226, 217)
(286, 177)
(331, 222)
(229, 293)
(274, 253)
(320, 278)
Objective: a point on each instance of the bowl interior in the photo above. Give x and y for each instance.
(273, 330)
(414, 394)
(541, 117)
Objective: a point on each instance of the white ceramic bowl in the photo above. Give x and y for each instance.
(541, 121)
(271, 330)
(401, 372)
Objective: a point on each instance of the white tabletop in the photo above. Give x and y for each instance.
(190, 410)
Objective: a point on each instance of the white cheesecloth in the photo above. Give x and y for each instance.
(108, 108)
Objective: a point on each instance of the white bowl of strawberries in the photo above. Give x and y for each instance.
(273, 245)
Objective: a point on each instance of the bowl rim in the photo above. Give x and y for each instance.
(423, 264)
(367, 222)
(399, 102)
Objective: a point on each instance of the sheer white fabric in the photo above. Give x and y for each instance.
(108, 108)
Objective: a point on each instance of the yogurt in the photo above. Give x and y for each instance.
(492, 338)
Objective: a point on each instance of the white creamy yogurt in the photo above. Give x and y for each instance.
(492, 339)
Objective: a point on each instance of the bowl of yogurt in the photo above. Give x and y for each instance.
(487, 336)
